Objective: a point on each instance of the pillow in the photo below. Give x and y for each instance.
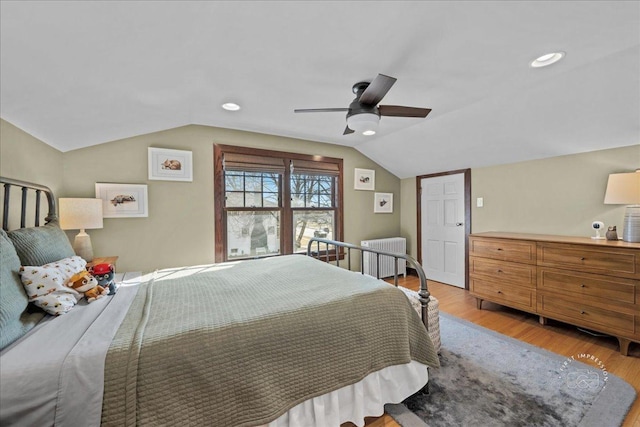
(14, 320)
(67, 267)
(41, 245)
(45, 285)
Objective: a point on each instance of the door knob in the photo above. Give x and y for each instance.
(458, 224)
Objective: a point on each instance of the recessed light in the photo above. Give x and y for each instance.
(230, 106)
(547, 59)
(369, 132)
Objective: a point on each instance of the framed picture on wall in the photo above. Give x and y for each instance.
(383, 203)
(123, 200)
(170, 165)
(364, 179)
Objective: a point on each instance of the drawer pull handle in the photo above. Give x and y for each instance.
(499, 292)
(499, 249)
(499, 271)
(582, 259)
(582, 285)
(582, 312)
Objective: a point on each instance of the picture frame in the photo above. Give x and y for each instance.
(364, 179)
(123, 200)
(170, 165)
(383, 203)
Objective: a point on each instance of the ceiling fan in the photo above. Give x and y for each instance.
(363, 114)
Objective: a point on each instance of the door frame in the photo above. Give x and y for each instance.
(467, 214)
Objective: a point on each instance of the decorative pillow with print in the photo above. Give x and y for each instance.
(45, 285)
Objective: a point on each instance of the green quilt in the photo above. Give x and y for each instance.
(241, 343)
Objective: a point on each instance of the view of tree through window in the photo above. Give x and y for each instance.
(274, 204)
(310, 196)
(251, 189)
(252, 232)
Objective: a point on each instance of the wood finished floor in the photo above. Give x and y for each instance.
(557, 337)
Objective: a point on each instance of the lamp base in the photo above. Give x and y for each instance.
(82, 246)
(632, 224)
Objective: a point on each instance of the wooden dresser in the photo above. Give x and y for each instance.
(590, 283)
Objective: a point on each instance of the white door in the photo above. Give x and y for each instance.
(443, 231)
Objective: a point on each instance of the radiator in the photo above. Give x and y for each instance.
(392, 244)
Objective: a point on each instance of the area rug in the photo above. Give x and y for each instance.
(488, 379)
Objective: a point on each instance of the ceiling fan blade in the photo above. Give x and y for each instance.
(377, 89)
(400, 111)
(347, 131)
(319, 110)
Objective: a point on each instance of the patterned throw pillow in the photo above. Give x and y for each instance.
(45, 285)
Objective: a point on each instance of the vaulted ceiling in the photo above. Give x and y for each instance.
(76, 74)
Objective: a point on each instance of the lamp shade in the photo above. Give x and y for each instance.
(80, 214)
(623, 189)
(364, 123)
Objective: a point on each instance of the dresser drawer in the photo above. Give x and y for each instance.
(503, 249)
(504, 293)
(609, 261)
(589, 316)
(591, 286)
(522, 274)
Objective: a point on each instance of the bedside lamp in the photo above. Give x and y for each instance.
(624, 189)
(81, 214)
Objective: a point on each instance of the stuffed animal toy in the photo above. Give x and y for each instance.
(612, 233)
(104, 274)
(86, 284)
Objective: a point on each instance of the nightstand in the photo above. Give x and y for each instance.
(103, 260)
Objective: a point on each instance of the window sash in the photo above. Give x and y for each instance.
(304, 194)
(252, 186)
(252, 233)
(314, 223)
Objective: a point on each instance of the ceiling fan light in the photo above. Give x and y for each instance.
(364, 123)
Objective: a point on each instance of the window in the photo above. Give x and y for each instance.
(312, 208)
(270, 202)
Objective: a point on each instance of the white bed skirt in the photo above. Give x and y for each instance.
(355, 402)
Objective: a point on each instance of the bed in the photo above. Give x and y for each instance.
(282, 341)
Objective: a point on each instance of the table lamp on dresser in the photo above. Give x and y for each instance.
(81, 214)
(624, 189)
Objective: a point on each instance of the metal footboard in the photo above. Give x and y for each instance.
(330, 250)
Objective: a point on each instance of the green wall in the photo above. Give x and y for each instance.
(25, 157)
(560, 195)
(180, 226)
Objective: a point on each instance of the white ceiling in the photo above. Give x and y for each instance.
(75, 74)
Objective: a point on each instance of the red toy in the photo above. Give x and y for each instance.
(104, 274)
